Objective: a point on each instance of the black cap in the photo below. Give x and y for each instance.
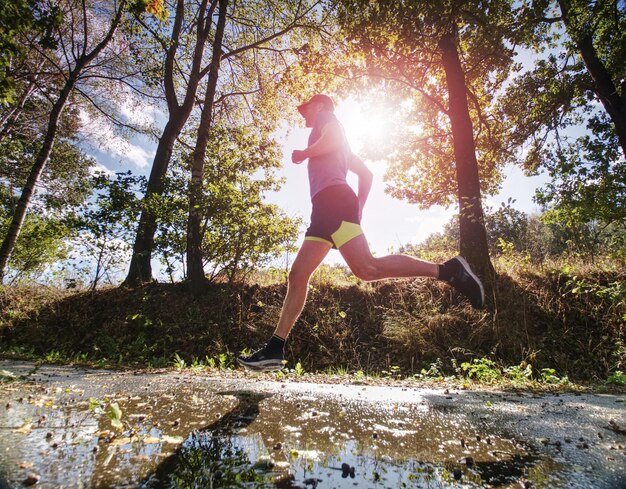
(320, 98)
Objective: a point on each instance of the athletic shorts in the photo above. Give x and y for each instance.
(335, 216)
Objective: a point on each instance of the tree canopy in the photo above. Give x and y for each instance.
(470, 88)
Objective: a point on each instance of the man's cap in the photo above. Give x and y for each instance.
(320, 98)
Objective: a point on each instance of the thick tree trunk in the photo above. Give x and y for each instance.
(140, 268)
(472, 226)
(195, 268)
(15, 227)
(604, 87)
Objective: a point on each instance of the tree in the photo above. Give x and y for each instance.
(78, 51)
(39, 19)
(61, 188)
(586, 63)
(473, 243)
(195, 269)
(598, 32)
(580, 89)
(105, 224)
(239, 231)
(246, 58)
(189, 33)
(62, 180)
(535, 237)
(251, 27)
(442, 63)
(42, 243)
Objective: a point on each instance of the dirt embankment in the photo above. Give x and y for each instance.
(408, 324)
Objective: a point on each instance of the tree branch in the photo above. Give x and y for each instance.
(168, 76)
(124, 82)
(108, 116)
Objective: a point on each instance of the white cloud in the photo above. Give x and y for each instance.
(137, 112)
(98, 168)
(100, 134)
(138, 155)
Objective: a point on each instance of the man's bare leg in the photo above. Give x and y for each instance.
(364, 265)
(307, 260)
(455, 271)
(270, 357)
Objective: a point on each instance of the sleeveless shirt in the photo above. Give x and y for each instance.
(329, 168)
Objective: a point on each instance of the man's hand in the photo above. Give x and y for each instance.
(356, 165)
(298, 156)
(332, 139)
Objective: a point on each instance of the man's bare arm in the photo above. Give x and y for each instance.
(331, 139)
(356, 165)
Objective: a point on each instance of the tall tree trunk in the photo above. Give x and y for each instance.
(15, 227)
(471, 218)
(195, 268)
(140, 268)
(604, 87)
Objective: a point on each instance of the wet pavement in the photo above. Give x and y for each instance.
(73, 427)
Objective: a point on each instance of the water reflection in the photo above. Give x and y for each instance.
(189, 435)
(307, 442)
(212, 457)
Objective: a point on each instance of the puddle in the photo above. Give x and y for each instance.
(203, 434)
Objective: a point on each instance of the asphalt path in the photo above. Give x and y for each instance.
(56, 431)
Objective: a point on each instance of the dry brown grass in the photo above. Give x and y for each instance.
(532, 316)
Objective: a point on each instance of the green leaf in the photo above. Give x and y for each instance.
(115, 415)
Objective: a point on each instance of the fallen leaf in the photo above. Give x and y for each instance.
(149, 440)
(31, 479)
(115, 415)
(26, 465)
(7, 376)
(172, 439)
(120, 441)
(617, 428)
(24, 429)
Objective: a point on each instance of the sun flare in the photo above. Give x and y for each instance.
(367, 125)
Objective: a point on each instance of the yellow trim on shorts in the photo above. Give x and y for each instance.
(315, 238)
(346, 232)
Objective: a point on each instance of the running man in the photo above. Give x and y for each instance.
(335, 223)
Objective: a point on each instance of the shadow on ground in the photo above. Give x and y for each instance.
(209, 457)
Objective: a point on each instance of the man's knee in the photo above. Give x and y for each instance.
(298, 276)
(367, 271)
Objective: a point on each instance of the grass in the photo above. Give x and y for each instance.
(548, 325)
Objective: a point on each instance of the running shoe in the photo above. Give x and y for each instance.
(262, 361)
(464, 280)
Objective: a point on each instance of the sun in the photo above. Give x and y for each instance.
(367, 124)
